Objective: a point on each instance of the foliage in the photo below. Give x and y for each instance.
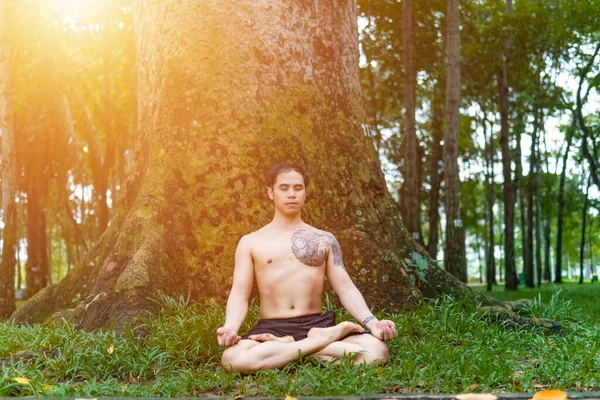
(439, 349)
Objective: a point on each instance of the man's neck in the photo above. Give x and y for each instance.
(287, 221)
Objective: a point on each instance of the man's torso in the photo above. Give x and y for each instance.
(289, 269)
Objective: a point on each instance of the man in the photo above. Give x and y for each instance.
(290, 260)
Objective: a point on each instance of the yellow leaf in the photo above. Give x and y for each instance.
(473, 387)
(45, 386)
(288, 397)
(111, 349)
(550, 395)
(22, 381)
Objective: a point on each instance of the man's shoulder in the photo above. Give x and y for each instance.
(323, 234)
(255, 236)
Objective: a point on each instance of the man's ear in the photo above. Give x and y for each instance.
(270, 192)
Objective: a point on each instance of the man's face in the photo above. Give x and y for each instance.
(288, 192)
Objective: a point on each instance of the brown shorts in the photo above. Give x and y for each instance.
(297, 327)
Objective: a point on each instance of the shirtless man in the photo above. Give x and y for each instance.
(290, 260)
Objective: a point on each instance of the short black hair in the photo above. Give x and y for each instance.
(285, 167)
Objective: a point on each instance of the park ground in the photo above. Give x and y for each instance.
(443, 347)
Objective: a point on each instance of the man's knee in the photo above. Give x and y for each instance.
(377, 352)
(234, 359)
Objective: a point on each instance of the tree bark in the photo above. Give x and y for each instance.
(412, 203)
(529, 232)
(454, 252)
(561, 204)
(538, 205)
(547, 268)
(519, 186)
(590, 244)
(36, 276)
(490, 248)
(584, 218)
(510, 272)
(9, 169)
(205, 139)
(437, 153)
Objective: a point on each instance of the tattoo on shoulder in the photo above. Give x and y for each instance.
(311, 248)
(337, 251)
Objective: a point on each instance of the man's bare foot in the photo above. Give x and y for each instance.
(268, 337)
(335, 333)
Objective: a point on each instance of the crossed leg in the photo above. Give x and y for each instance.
(271, 352)
(365, 349)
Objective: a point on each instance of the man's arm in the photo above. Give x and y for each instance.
(351, 298)
(237, 303)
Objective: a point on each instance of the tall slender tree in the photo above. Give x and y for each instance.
(580, 101)
(490, 248)
(583, 228)
(454, 252)
(412, 185)
(510, 272)
(538, 203)
(9, 169)
(436, 175)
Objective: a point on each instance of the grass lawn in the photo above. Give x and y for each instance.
(444, 346)
(584, 298)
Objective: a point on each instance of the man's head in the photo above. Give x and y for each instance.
(287, 187)
(278, 169)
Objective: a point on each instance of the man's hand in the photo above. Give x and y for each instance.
(383, 330)
(227, 337)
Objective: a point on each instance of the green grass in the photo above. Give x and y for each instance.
(444, 346)
(584, 299)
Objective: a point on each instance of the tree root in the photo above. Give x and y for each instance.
(508, 318)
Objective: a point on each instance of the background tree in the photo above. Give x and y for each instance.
(454, 252)
(9, 168)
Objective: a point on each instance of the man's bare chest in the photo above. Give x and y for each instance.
(305, 247)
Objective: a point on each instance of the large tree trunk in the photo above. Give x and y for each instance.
(9, 170)
(225, 91)
(454, 252)
(412, 187)
(437, 153)
(510, 272)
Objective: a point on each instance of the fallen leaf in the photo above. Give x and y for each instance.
(473, 387)
(550, 395)
(111, 349)
(288, 397)
(22, 381)
(517, 375)
(476, 396)
(46, 386)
